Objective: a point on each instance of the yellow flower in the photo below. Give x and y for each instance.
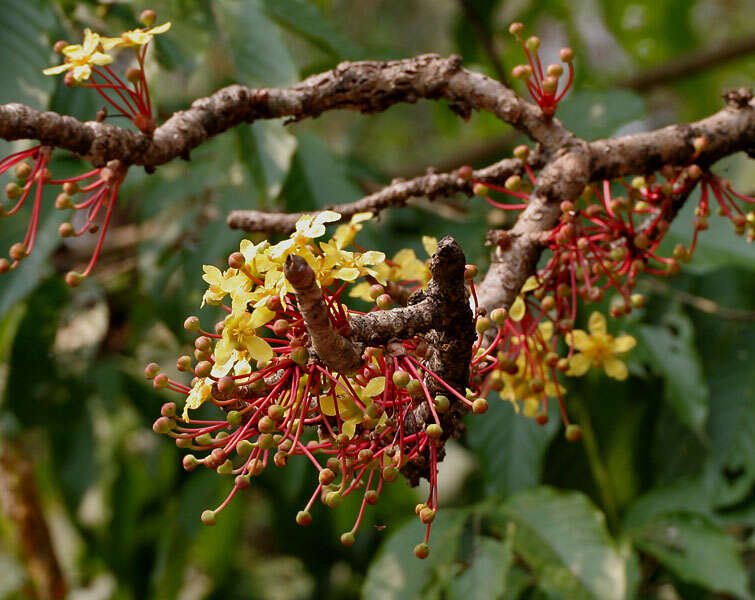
(200, 393)
(519, 308)
(135, 37)
(430, 244)
(598, 349)
(221, 284)
(345, 234)
(240, 331)
(347, 266)
(79, 58)
(350, 412)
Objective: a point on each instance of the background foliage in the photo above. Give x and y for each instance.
(655, 502)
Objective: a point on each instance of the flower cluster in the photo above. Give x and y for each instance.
(357, 429)
(86, 64)
(542, 85)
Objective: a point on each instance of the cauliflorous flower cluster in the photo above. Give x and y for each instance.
(357, 429)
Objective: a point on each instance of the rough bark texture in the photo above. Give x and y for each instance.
(330, 346)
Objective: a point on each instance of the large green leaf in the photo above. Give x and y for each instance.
(563, 538)
(671, 350)
(266, 149)
(696, 552)
(509, 446)
(26, 51)
(305, 19)
(485, 578)
(259, 52)
(395, 574)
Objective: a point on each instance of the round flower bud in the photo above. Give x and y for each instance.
(441, 403)
(203, 343)
(226, 468)
(533, 43)
(555, 70)
(480, 189)
(209, 518)
(348, 539)
(516, 28)
(303, 518)
(273, 303)
(434, 431)
(266, 441)
(573, 433)
(65, 230)
(242, 481)
(133, 74)
(244, 448)
(414, 387)
(276, 412)
(71, 188)
(22, 171)
(513, 183)
(163, 425)
(422, 550)
(218, 456)
(427, 515)
(204, 439)
(190, 462)
(483, 324)
(147, 17)
(480, 406)
(183, 442)
(401, 379)
(226, 384)
(566, 55)
(151, 370)
(465, 172)
(333, 499)
(384, 301)
(470, 272)
(521, 152)
(168, 409)
(390, 474)
(183, 363)
(376, 291)
(541, 418)
(236, 260)
(203, 369)
(637, 300)
(192, 324)
(17, 251)
(550, 84)
(280, 459)
(13, 191)
(4, 266)
(371, 497)
(499, 316)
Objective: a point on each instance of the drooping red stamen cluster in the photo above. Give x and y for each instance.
(542, 85)
(357, 431)
(102, 187)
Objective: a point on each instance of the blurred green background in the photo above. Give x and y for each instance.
(655, 502)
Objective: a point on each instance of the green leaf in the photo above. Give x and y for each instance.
(671, 350)
(318, 177)
(598, 114)
(396, 574)
(305, 19)
(696, 552)
(485, 578)
(26, 52)
(266, 149)
(509, 446)
(563, 538)
(259, 52)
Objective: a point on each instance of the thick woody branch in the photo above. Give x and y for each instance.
(366, 86)
(330, 346)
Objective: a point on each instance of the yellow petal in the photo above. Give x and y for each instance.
(623, 343)
(361, 291)
(328, 406)
(258, 348)
(372, 257)
(212, 275)
(375, 386)
(517, 309)
(361, 217)
(349, 428)
(99, 58)
(56, 70)
(597, 323)
(430, 244)
(616, 368)
(82, 72)
(260, 316)
(531, 284)
(159, 29)
(222, 369)
(579, 364)
(580, 340)
(327, 216)
(346, 274)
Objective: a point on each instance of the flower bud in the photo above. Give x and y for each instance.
(555, 70)
(348, 539)
(390, 474)
(516, 28)
(483, 324)
(371, 497)
(13, 190)
(163, 425)
(521, 72)
(65, 230)
(376, 291)
(22, 171)
(470, 272)
(303, 518)
(333, 499)
(203, 368)
(151, 370)
(384, 301)
(434, 431)
(236, 261)
(499, 315)
(414, 387)
(401, 379)
(573, 433)
(480, 406)
(209, 518)
(168, 409)
(190, 462)
(133, 74)
(566, 55)
(421, 550)
(17, 251)
(465, 172)
(441, 403)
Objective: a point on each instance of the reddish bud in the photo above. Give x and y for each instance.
(237, 261)
(65, 230)
(303, 518)
(465, 172)
(384, 301)
(480, 406)
(421, 550)
(163, 425)
(566, 54)
(209, 518)
(573, 433)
